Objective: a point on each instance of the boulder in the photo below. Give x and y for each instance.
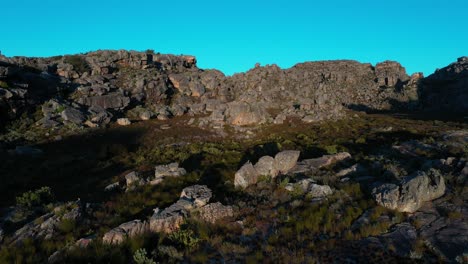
(309, 187)
(109, 101)
(245, 176)
(73, 115)
(124, 121)
(244, 114)
(133, 179)
(266, 167)
(112, 186)
(319, 191)
(126, 230)
(412, 192)
(199, 195)
(215, 211)
(170, 219)
(286, 160)
(168, 170)
(318, 163)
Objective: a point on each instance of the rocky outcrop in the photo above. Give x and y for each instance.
(46, 226)
(308, 165)
(446, 89)
(390, 74)
(310, 188)
(248, 174)
(120, 80)
(170, 219)
(124, 231)
(412, 192)
(108, 101)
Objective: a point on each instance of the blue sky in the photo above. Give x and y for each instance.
(233, 35)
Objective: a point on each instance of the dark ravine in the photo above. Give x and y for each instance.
(141, 157)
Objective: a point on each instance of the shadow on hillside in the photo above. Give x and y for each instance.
(78, 166)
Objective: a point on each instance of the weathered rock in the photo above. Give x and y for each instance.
(355, 169)
(124, 121)
(108, 101)
(126, 230)
(266, 167)
(326, 160)
(245, 176)
(46, 226)
(199, 195)
(309, 187)
(412, 192)
(133, 179)
(308, 165)
(286, 160)
(146, 115)
(243, 114)
(319, 191)
(215, 211)
(73, 115)
(390, 74)
(112, 186)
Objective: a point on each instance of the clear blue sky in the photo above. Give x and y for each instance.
(233, 35)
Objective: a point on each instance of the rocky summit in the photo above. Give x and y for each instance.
(141, 157)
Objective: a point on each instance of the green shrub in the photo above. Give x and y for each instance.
(185, 238)
(140, 257)
(38, 197)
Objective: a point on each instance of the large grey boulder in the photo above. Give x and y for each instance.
(286, 160)
(266, 166)
(412, 192)
(308, 165)
(124, 231)
(245, 176)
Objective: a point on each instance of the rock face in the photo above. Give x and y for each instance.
(118, 81)
(124, 231)
(412, 192)
(446, 88)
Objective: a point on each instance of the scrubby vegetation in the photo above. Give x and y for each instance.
(273, 224)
